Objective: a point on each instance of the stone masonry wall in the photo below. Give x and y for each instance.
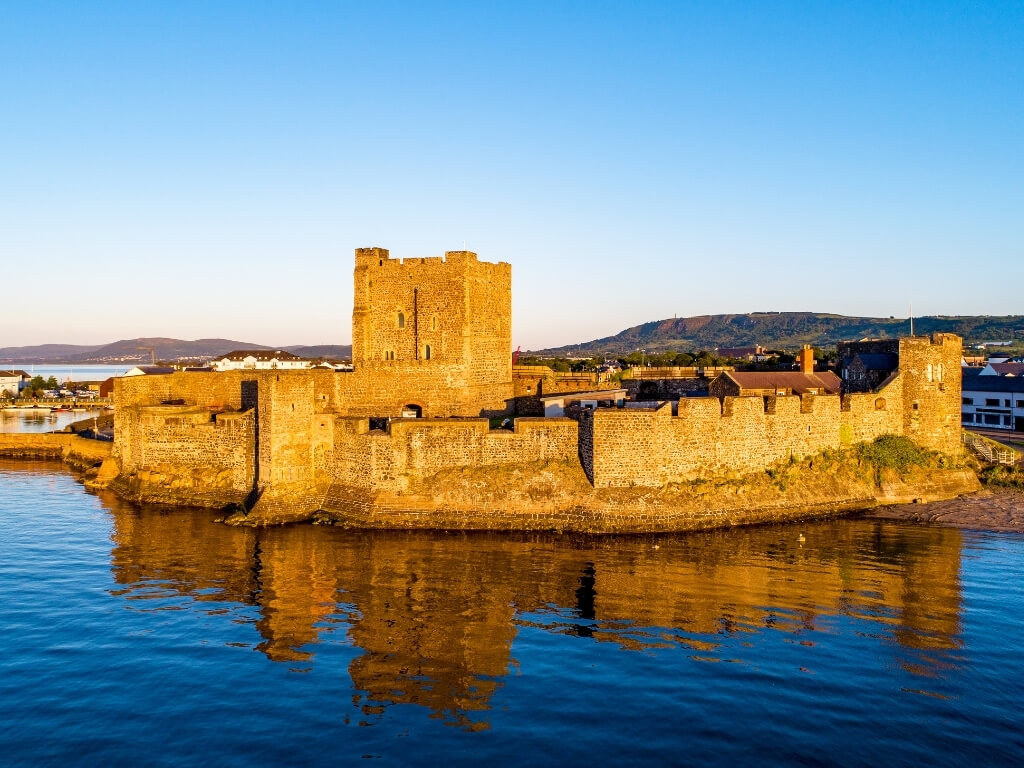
(172, 435)
(416, 448)
(651, 447)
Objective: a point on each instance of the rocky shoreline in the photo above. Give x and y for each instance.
(991, 509)
(943, 497)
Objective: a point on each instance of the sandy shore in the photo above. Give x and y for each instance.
(995, 509)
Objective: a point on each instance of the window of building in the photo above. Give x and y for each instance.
(389, 354)
(940, 372)
(1020, 403)
(967, 401)
(1006, 403)
(992, 418)
(991, 401)
(928, 372)
(433, 323)
(401, 320)
(879, 403)
(426, 352)
(968, 418)
(1006, 421)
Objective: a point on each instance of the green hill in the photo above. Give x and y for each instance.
(785, 330)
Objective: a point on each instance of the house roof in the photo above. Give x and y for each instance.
(1010, 384)
(260, 354)
(8, 374)
(151, 370)
(880, 361)
(799, 382)
(1008, 369)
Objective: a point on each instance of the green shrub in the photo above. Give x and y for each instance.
(999, 475)
(896, 453)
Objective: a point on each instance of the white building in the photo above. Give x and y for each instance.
(13, 382)
(260, 359)
(554, 405)
(993, 402)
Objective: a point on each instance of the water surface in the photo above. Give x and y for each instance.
(42, 419)
(158, 637)
(84, 372)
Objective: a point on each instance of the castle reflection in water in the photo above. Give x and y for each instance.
(435, 615)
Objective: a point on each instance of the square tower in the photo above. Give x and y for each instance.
(426, 324)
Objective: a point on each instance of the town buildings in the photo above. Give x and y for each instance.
(260, 360)
(993, 401)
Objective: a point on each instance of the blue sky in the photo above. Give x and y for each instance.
(206, 169)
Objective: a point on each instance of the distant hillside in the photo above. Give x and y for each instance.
(330, 351)
(784, 330)
(45, 353)
(137, 350)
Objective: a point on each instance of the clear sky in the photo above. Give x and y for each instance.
(197, 169)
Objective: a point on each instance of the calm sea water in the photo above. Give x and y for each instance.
(147, 637)
(41, 419)
(63, 371)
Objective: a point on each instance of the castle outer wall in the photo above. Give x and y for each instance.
(432, 337)
(291, 440)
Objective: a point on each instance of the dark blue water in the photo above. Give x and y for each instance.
(141, 637)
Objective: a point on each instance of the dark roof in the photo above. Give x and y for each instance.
(151, 370)
(794, 380)
(260, 354)
(878, 361)
(1008, 369)
(14, 373)
(1014, 384)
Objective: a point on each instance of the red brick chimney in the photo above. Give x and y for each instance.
(806, 359)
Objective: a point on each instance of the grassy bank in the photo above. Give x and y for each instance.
(1000, 476)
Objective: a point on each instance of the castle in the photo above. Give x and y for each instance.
(379, 445)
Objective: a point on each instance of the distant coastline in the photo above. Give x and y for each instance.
(131, 352)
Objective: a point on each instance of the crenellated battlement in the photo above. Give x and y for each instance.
(381, 259)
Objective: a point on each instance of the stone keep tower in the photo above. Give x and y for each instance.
(434, 332)
(931, 380)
